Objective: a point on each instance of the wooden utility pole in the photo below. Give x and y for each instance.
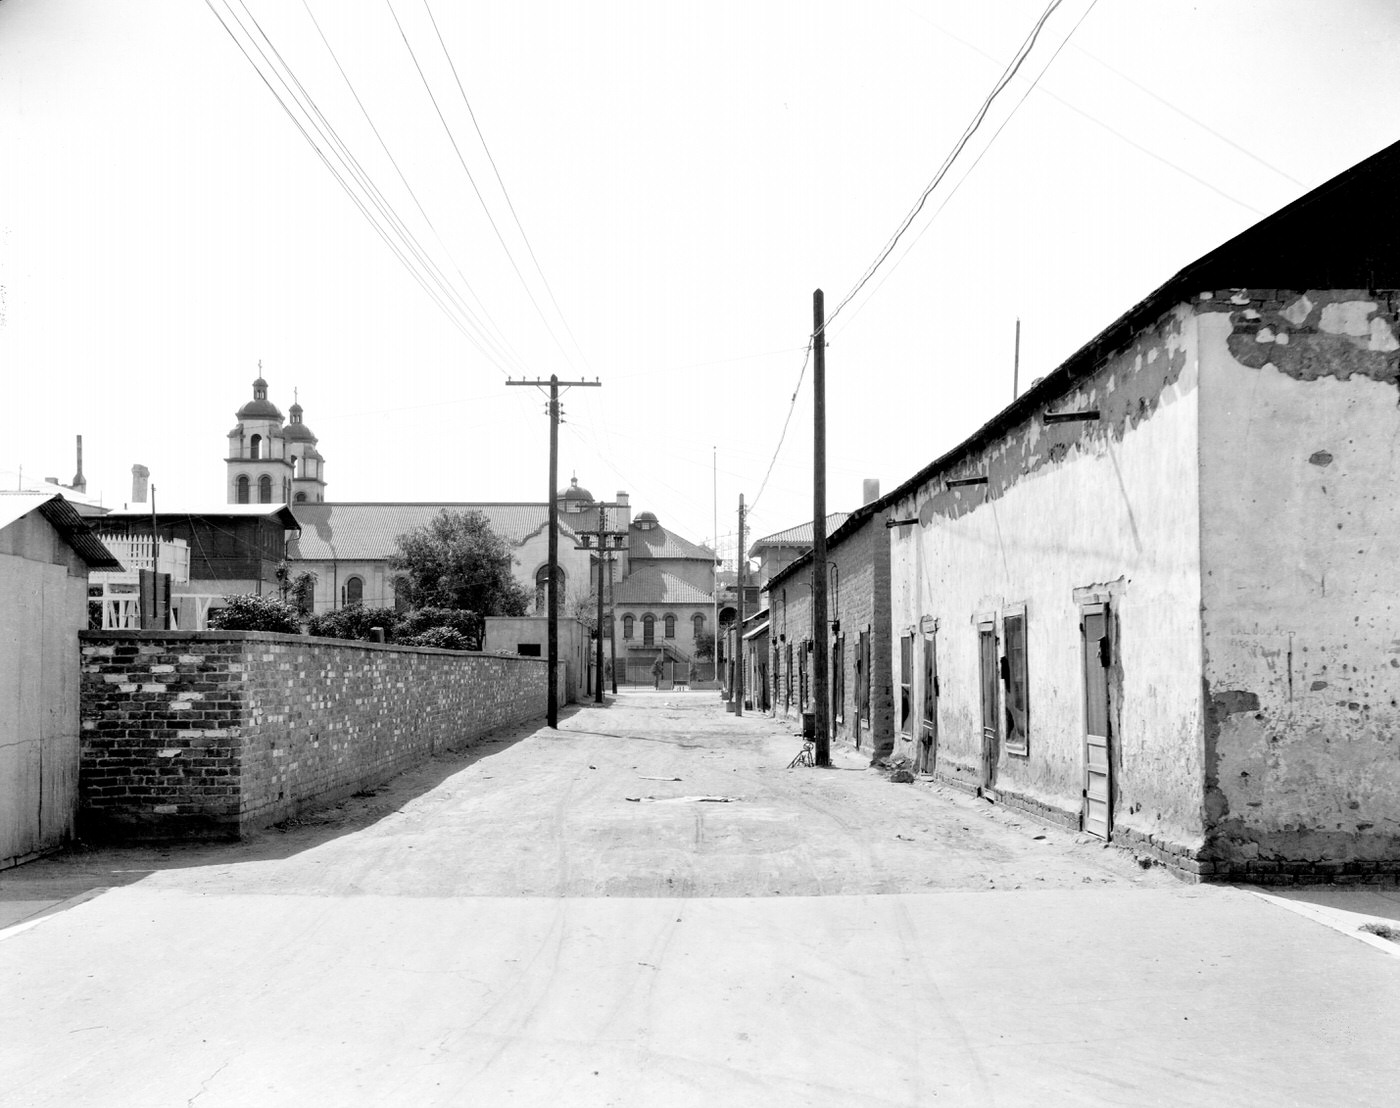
(739, 624)
(604, 548)
(820, 630)
(612, 636)
(551, 588)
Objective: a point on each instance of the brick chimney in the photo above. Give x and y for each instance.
(140, 476)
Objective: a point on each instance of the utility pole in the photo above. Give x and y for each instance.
(551, 588)
(612, 637)
(604, 554)
(739, 624)
(820, 630)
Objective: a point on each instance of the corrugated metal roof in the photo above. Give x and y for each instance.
(227, 511)
(801, 535)
(371, 531)
(652, 585)
(65, 520)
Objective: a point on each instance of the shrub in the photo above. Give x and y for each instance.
(353, 622)
(468, 625)
(444, 638)
(249, 612)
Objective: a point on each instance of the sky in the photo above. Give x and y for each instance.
(646, 193)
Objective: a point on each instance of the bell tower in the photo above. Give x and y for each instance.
(259, 471)
(308, 467)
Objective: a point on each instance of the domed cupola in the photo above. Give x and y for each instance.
(575, 498)
(296, 430)
(260, 407)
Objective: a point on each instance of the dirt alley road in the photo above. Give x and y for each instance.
(537, 813)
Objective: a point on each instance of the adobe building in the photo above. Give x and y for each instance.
(1155, 596)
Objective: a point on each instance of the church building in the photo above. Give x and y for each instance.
(269, 463)
(662, 585)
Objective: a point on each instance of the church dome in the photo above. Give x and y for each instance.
(297, 431)
(577, 492)
(260, 407)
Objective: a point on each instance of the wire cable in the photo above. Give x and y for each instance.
(1011, 70)
(481, 199)
(504, 192)
(327, 130)
(413, 271)
(514, 356)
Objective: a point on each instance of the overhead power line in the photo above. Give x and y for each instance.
(388, 233)
(1011, 70)
(514, 355)
(486, 208)
(504, 191)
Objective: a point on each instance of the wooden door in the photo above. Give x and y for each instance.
(990, 674)
(928, 722)
(1097, 817)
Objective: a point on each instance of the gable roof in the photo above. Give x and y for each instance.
(801, 535)
(64, 519)
(370, 532)
(1335, 236)
(653, 585)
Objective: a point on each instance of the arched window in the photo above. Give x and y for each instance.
(627, 622)
(670, 626)
(264, 489)
(699, 621)
(255, 447)
(301, 498)
(648, 629)
(542, 588)
(242, 486)
(354, 591)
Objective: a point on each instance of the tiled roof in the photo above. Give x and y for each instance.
(801, 535)
(657, 542)
(650, 585)
(371, 531)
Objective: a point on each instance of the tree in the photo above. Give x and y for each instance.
(457, 561)
(705, 646)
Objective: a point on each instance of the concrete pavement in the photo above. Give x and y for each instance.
(821, 938)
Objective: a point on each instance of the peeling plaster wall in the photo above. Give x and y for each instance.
(1110, 507)
(1300, 546)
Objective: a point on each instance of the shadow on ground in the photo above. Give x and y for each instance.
(82, 870)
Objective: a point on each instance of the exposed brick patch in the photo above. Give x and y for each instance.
(214, 734)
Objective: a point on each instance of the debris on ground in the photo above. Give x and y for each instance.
(644, 777)
(681, 799)
(902, 776)
(1383, 930)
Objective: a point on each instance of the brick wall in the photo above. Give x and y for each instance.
(216, 733)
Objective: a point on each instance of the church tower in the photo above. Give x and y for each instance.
(308, 467)
(259, 470)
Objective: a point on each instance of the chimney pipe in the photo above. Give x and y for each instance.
(79, 481)
(139, 476)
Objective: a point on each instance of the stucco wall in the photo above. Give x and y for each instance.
(1300, 547)
(43, 601)
(1103, 508)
